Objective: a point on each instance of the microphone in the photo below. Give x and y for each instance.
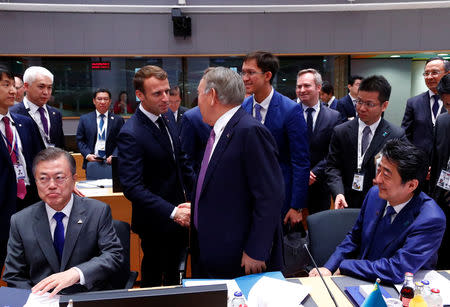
(317, 268)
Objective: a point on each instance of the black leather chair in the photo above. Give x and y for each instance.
(327, 229)
(98, 170)
(123, 232)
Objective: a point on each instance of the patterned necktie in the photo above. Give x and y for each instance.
(258, 115)
(201, 176)
(58, 235)
(435, 105)
(365, 139)
(21, 188)
(162, 128)
(43, 120)
(309, 121)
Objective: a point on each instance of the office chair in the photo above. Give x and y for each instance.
(327, 229)
(123, 232)
(98, 170)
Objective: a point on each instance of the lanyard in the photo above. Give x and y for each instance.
(101, 133)
(13, 145)
(41, 130)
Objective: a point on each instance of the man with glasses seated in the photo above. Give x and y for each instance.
(63, 243)
(355, 144)
(97, 130)
(422, 110)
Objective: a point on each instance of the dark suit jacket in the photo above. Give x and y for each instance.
(181, 111)
(240, 202)
(440, 156)
(285, 121)
(345, 107)
(29, 136)
(318, 193)
(92, 246)
(417, 121)
(410, 246)
(56, 130)
(194, 134)
(87, 134)
(152, 179)
(342, 158)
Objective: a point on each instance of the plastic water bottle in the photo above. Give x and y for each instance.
(435, 298)
(238, 300)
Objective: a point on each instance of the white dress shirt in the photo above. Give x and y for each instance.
(264, 106)
(105, 128)
(361, 126)
(397, 209)
(220, 124)
(34, 113)
(433, 118)
(314, 114)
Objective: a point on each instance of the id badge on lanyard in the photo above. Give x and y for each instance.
(444, 178)
(18, 168)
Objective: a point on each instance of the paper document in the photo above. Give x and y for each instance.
(231, 284)
(35, 300)
(92, 184)
(271, 292)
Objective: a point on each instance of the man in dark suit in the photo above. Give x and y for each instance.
(347, 104)
(440, 167)
(194, 134)
(38, 83)
(18, 146)
(284, 119)
(327, 95)
(156, 179)
(20, 89)
(422, 110)
(97, 131)
(355, 144)
(399, 228)
(320, 122)
(236, 212)
(175, 98)
(64, 242)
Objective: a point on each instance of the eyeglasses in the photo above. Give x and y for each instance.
(102, 99)
(368, 104)
(45, 180)
(433, 73)
(250, 73)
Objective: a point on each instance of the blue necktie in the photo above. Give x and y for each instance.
(58, 235)
(258, 115)
(309, 121)
(436, 105)
(378, 243)
(102, 135)
(365, 139)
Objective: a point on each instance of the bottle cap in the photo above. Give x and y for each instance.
(238, 293)
(435, 290)
(425, 282)
(409, 274)
(419, 284)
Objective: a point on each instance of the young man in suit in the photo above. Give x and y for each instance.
(347, 104)
(320, 122)
(327, 95)
(284, 119)
(18, 146)
(355, 144)
(64, 242)
(238, 198)
(440, 166)
(156, 179)
(38, 83)
(399, 228)
(97, 131)
(422, 110)
(175, 98)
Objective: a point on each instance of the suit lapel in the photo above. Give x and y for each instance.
(272, 110)
(370, 223)
(248, 105)
(380, 135)
(110, 122)
(52, 119)
(77, 219)
(427, 110)
(41, 228)
(352, 131)
(320, 118)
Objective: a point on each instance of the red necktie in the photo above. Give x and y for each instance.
(21, 189)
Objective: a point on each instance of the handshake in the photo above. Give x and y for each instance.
(183, 214)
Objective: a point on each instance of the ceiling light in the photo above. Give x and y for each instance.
(395, 56)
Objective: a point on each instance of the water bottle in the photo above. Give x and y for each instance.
(435, 298)
(238, 300)
(426, 291)
(407, 292)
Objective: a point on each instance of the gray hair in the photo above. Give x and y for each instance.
(54, 153)
(227, 83)
(32, 72)
(317, 76)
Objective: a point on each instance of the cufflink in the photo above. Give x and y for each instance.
(80, 222)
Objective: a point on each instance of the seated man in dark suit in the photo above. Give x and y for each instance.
(399, 228)
(327, 95)
(347, 104)
(65, 242)
(236, 212)
(97, 131)
(355, 144)
(38, 83)
(440, 166)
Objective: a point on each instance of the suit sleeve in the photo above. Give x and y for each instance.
(299, 151)
(131, 161)
(60, 128)
(334, 174)
(264, 177)
(82, 139)
(420, 245)
(16, 269)
(408, 120)
(188, 141)
(111, 255)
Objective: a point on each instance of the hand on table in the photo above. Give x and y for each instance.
(57, 282)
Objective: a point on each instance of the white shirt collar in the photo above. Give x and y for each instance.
(97, 113)
(397, 208)
(150, 115)
(220, 124)
(66, 210)
(7, 115)
(265, 103)
(316, 107)
(30, 105)
(372, 127)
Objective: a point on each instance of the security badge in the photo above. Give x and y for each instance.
(444, 180)
(358, 181)
(20, 171)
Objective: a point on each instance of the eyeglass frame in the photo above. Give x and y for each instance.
(432, 73)
(251, 73)
(46, 182)
(369, 105)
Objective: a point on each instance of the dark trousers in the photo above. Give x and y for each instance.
(444, 251)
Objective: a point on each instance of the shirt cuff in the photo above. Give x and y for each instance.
(173, 213)
(82, 281)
